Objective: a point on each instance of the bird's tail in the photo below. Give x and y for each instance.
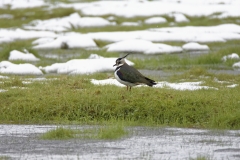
(150, 82)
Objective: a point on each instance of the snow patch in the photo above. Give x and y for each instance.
(3, 90)
(95, 56)
(230, 56)
(236, 66)
(139, 45)
(7, 67)
(7, 35)
(232, 86)
(193, 46)
(201, 34)
(17, 55)
(177, 86)
(66, 42)
(4, 77)
(83, 66)
(179, 17)
(130, 24)
(155, 20)
(20, 4)
(149, 8)
(68, 22)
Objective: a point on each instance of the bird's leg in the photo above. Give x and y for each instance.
(130, 88)
(127, 88)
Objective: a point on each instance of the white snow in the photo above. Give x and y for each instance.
(220, 33)
(144, 46)
(184, 86)
(111, 18)
(19, 4)
(155, 20)
(68, 22)
(5, 40)
(154, 9)
(225, 28)
(149, 8)
(3, 77)
(193, 46)
(83, 66)
(55, 24)
(230, 56)
(232, 85)
(163, 48)
(3, 90)
(179, 17)
(43, 40)
(7, 35)
(202, 34)
(52, 33)
(94, 22)
(177, 86)
(7, 67)
(130, 24)
(107, 82)
(71, 40)
(236, 66)
(226, 8)
(17, 55)
(95, 56)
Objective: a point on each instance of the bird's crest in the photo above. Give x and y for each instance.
(121, 61)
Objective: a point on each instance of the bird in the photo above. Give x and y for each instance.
(130, 76)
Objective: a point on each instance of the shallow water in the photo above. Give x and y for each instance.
(22, 142)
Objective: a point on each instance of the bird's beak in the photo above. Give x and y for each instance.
(114, 64)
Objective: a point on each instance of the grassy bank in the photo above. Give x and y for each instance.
(73, 99)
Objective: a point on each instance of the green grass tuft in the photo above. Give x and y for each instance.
(16, 45)
(5, 158)
(59, 133)
(201, 157)
(107, 132)
(111, 132)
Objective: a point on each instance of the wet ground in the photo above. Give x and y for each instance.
(22, 142)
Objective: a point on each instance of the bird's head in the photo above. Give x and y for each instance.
(120, 61)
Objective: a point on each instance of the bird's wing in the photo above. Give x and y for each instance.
(130, 74)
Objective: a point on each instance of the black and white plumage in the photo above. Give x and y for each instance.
(129, 76)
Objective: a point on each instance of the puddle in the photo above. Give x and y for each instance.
(22, 142)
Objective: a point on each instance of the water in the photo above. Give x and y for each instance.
(22, 142)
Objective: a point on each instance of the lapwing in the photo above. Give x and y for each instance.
(129, 76)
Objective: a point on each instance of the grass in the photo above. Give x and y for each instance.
(212, 60)
(154, 62)
(201, 157)
(5, 158)
(73, 99)
(24, 16)
(16, 45)
(108, 132)
(112, 132)
(58, 133)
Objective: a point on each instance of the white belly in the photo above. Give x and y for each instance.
(123, 82)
